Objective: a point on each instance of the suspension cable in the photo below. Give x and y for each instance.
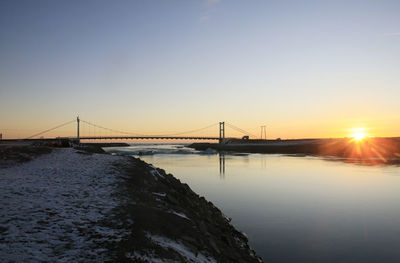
(191, 131)
(112, 130)
(59, 126)
(240, 130)
(144, 135)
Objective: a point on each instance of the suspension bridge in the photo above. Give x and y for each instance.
(97, 132)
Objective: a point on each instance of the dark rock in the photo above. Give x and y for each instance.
(213, 245)
(172, 200)
(226, 239)
(202, 227)
(207, 230)
(90, 149)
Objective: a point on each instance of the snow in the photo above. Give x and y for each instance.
(146, 258)
(160, 194)
(181, 249)
(226, 217)
(178, 214)
(190, 257)
(155, 173)
(51, 207)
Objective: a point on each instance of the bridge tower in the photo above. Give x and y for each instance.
(221, 132)
(77, 135)
(263, 132)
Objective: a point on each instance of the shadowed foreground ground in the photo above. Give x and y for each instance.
(72, 205)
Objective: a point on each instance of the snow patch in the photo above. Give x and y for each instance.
(155, 173)
(178, 214)
(151, 258)
(226, 217)
(181, 249)
(51, 208)
(160, 194)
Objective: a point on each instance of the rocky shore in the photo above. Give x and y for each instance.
(107, 144)
(84, 205)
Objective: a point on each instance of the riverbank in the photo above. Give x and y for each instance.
(72, 205)
(381, 150)
(106, 144)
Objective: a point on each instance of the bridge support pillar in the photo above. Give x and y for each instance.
(221, 132)
(77, 134)
(263, 132)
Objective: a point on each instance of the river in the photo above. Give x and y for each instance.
(294, 208)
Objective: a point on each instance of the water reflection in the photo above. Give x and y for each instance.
(300, 209)
(364, 161)
(369, 151)
(263, 162)
(222, 165)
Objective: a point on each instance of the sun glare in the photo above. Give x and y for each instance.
(359, 134)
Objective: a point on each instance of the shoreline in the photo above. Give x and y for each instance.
(379, 150)
(152, 215)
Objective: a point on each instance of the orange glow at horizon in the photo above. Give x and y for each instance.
(358, 130)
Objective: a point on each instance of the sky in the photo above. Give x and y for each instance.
(305, 69)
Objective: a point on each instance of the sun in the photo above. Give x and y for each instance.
(359, 134)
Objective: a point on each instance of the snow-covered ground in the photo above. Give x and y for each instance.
(51, 207)
(188, 256)
(58, 207)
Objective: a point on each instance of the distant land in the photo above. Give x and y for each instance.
(379, 149)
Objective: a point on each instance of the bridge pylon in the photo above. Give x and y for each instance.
(221, 132)
(263, 132)
(77, 130)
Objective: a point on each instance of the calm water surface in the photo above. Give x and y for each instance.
(296, 209)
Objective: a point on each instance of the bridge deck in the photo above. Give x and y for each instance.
(119, 138)
(148, 138)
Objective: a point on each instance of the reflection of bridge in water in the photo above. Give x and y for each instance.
(222, 165)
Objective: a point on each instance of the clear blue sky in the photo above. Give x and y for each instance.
(303, 68)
